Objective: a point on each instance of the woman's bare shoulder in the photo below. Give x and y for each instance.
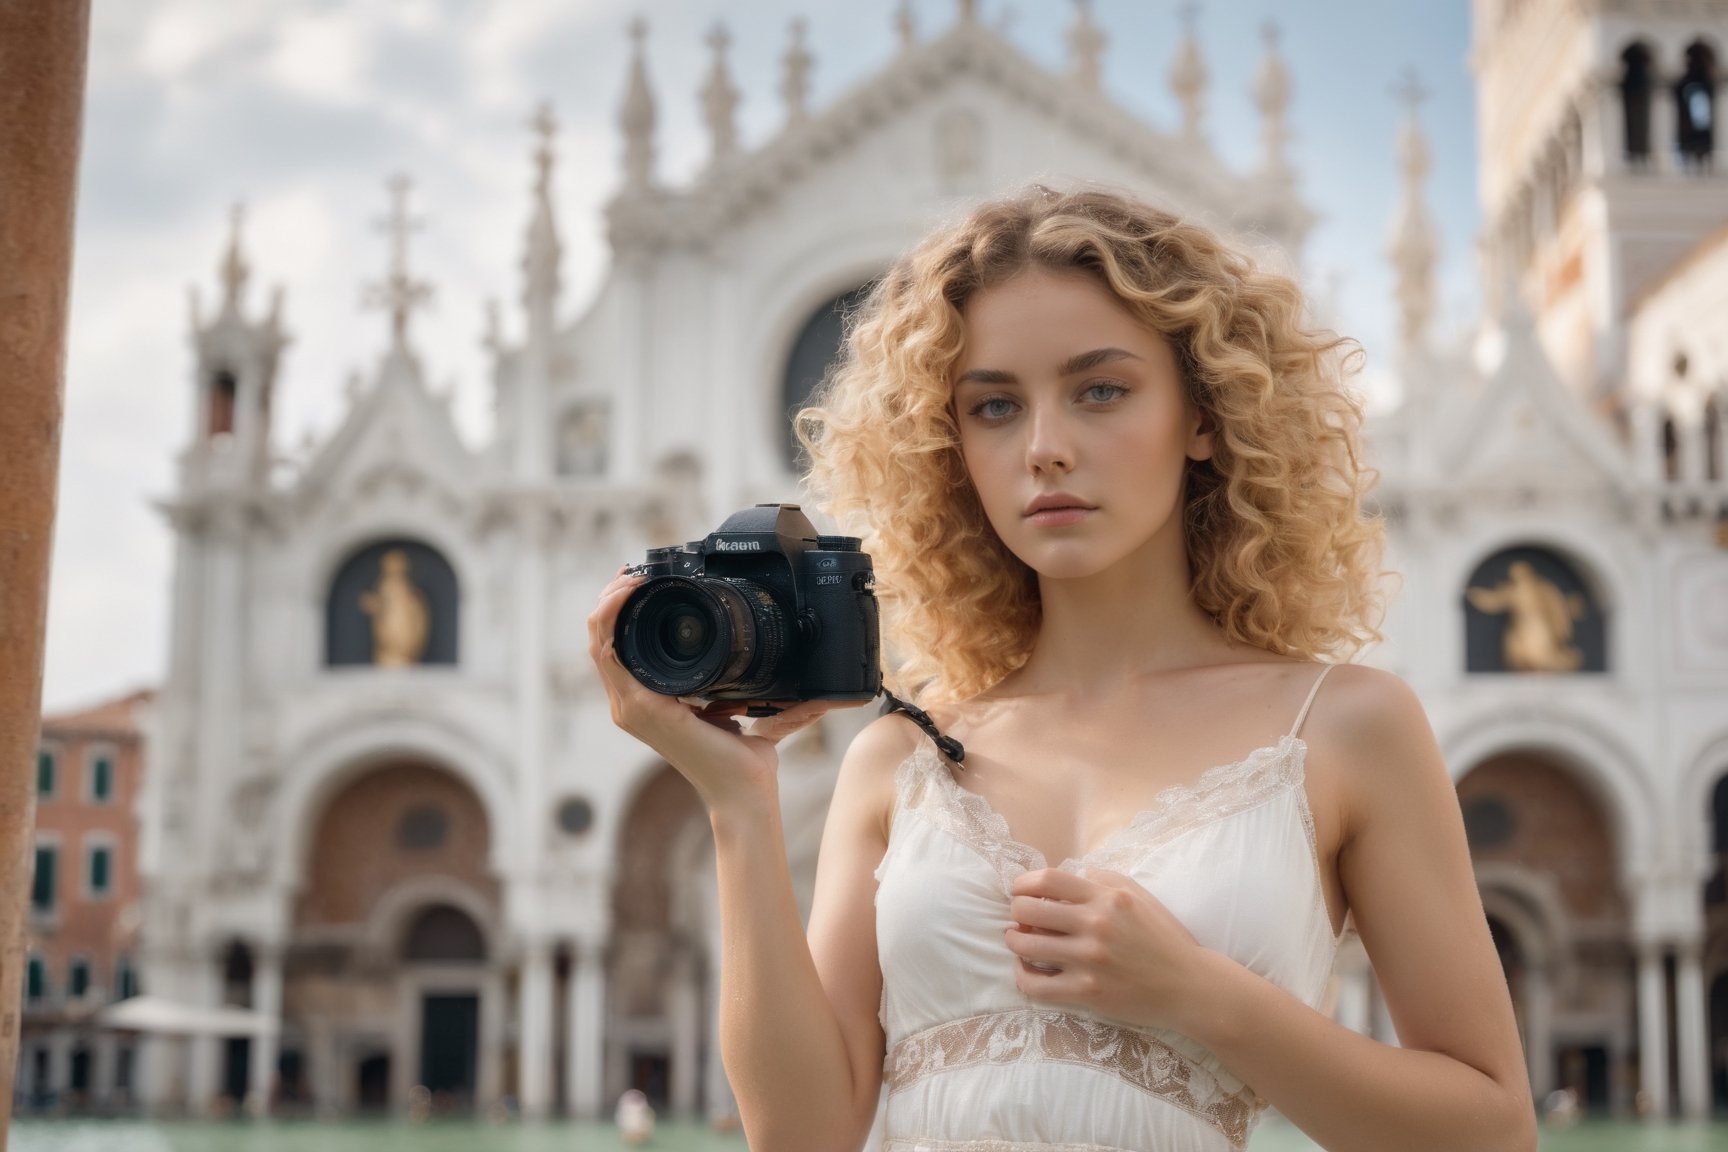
(1371, 727)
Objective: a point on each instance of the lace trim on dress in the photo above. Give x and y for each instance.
(1049, 1036)
(926, 786)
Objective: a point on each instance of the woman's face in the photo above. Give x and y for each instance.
(1073, 424)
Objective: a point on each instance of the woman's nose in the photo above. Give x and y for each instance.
(1049, 445)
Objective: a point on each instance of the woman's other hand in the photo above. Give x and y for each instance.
(1104, 942)
(726, 764)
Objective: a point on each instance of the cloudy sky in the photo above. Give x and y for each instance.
(300, 109)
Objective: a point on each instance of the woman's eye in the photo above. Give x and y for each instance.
(1102, 392)
(993, 408)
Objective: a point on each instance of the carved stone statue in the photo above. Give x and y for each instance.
(1539, 634)
(399, 618)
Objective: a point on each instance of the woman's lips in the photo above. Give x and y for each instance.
(1058, 517)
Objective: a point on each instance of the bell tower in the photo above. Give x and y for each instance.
(1598, 168)
(236, 358)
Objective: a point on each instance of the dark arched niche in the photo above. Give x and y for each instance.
(443, 934)
(349, 637)
(814, 351)
(1524, 605)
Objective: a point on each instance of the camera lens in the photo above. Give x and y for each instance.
(684, 636)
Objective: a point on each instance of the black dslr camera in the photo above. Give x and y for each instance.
(763, 610)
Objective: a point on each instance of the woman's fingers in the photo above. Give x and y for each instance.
(1049, 915)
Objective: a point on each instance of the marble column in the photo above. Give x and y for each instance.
(1539, 1030)
(266, 1000)
(1664, 125)
(153, 1071)
(585, 1037)
(1653, 1028)
(490, 1078)
(534, 1030)
(59, 1062)
(105, 1064)
(1691, 1021)
(686, 1013)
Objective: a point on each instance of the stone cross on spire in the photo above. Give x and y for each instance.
(1413, 247)
(1188, 75)
(720, 100)
(637, 116)
(1086, 43)
(795, 87)
(398, 293)
(234, 271)
(1272, 97)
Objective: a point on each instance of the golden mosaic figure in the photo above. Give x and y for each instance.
(399, 618)
(1539, 637)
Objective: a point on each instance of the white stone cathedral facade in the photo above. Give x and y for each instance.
(386, 808)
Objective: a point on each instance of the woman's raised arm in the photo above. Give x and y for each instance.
(798, 1030)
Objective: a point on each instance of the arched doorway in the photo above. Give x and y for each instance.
(1543, 852)
(660, 994)
(396, 909)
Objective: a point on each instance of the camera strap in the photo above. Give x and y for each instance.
(947, 745)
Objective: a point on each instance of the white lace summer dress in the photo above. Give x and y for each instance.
(975, 1066)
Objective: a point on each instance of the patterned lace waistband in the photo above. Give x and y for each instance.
(1039, 1035)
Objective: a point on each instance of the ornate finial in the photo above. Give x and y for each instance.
(234, 270)
(1272, 96)
(968, 11)
(540, 259)
(492, 336)
(795, 87)
(398, 293)
(905, 26)
(637, 116)
(1086, 43)
(1188, 75)
(1413, 247)
(545, 126)
(720, 100)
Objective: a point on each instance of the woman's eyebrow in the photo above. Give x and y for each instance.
(1078, 363)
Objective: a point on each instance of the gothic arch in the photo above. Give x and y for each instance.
(1707, 764)
(395, 912)
(334, 549)
(1594, 564)
(1609, 771)
(316, 772)
(1530, 906)
(1638, 88)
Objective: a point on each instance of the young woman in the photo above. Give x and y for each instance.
(1111, 489)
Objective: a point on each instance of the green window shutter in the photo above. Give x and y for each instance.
(102, 778)
(44, 772)
(37, 986)
(78, 978)
(99, 869)
(127, 980)
(42, 888)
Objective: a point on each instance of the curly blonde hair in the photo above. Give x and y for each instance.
(1281, 553)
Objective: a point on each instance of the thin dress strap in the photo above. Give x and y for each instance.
(1308, 703)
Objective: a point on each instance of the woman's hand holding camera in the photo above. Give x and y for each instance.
(727, 765)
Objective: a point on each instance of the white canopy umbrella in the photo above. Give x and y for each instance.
(155, 1014)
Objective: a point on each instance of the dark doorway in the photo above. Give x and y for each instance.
(372, 1087)
(650, 1075)
(236, 1067)
(449, 1042)
(1584, 1069)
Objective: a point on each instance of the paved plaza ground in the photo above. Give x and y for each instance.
(455, 1136)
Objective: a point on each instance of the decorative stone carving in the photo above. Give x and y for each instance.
(400, 621)
(959, 150)
(795, 86)
(720, 98)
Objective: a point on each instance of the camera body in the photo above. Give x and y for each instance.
(763, 609)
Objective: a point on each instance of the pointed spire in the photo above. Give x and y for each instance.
(1086, 43)
(1272, 97)
(795, 86)
(1188, 76)
(968, 11)
(720, 101)
(1413, 248)
(398, 293)
(541, 258)
(637, 116)
(234, 271)
(905, 26)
